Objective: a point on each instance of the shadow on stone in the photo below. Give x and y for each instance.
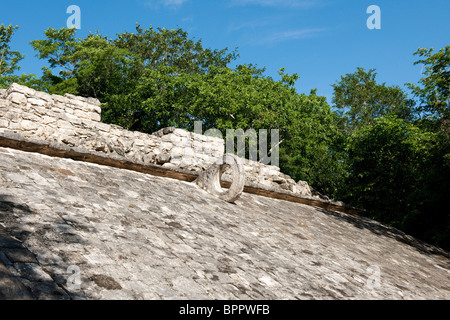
(22, 276)
(387, 231)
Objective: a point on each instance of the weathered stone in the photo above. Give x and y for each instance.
(28, 125)
(149, 158)
(176, 152)
(94, 116)
(37, 102)
(11, 288)
(4, 123)
(94, 102)
(181, 133)
(150, 236)
(18, 98)
(163, 158)
(303, 188)
(20, 255)
(167, 146)
(60, 99)
(81, 114)
(58, 111)
(210, 179)
(106, 282)
(64, 124)
(44, 96)
(22, 89)
(139, 143)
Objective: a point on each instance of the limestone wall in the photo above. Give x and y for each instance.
(75, 121)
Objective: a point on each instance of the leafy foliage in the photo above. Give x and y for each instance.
(434, 92)
(382, 164)
(89, 67)
(401, 174)
(361, 100)
(9, 61)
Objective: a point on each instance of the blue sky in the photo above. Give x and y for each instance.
(318, 39)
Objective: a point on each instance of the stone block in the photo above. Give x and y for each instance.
(41, 110)
(67, 133)
(72, 119)
(62, 124)
(163, 158)
(149, 158)
(170, 165)
(13, 116)
(177, 162)
(30, 116)
(93, 101)
(182, 133)
(166, 146)
(303, 188)
(44, 96)
(186, 142)
(103, 127)
(81, 114)
(49, 132)
(166, 138)
(139, 143)
(59, 98)
(197, 146)
(18, 98)
(22, 89)
(28, 125)
(4, 123)
(94, 116)
(151, 142)
(77, 101)
(176, 152)
(57, 110)
(188, 153)
(37, 102)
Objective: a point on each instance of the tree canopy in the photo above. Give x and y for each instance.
(360, 100)
(433, 90)
(9, 60)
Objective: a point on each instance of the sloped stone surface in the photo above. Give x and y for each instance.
(128, 235)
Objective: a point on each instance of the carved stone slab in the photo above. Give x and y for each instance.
(209, 179)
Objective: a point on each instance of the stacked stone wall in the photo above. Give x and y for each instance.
(76, 122)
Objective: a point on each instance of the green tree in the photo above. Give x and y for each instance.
(9, 61)
(400, 174)
(383, 167)
(91, 67)
(172, 48)
(100, 67)
(434, 89)
(311, 148)
(360, 100)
